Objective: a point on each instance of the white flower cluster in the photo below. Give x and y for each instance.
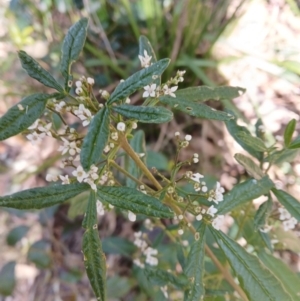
(146, 250)
(84, 115)
(216, 195)
(154, 91)
(145, 60)
(88, 177)
(289, 222)
(199, 185)
(40, 131)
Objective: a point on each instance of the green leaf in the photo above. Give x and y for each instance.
(39, 254)
(144, 44)
(7, 278)
(289, 202)
(41, 197)
(95, 140)
(253, 142)
(282, 156)
(192, 108)
(289, 280)
(138, 80)
(118, 245)
(244, 192)
(71, 48)
(194, 268)
(78, 205)
(36, 71)
(288, 132)
(161, 278)
(295, 143)
(138, 145)
(118, 287)
(262, 213)
(157, 160)
(94, 258)
(203, 93)
(257, 281)
(250, 166)
(16, 120)
(234, 129)
(16, 234)
(145, 114)
(131, 199)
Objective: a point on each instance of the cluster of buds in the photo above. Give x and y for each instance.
(289, 222)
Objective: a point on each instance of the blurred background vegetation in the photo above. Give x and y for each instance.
(248, 43)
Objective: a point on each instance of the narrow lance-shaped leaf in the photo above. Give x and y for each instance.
(289, 202)
(251, 167)
(22, 115)
(7, 278)
(203, 93)
(263, 213)
(289, 280)
(251, 141)
(134, 200)
(289, 131)
(138, 145)
(194, 268)
(257, 281)
(145, 114)
(161, 277)
(244, 192)
(295, 143)
(138, 80)
(95, 140)
(71, 48)
(194, 109)
(36, 71)
(234, 129)
(94, 258)
(41, 197)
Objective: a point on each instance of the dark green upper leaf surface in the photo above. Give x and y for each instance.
(257, 281)
(295, 143)
(22, 115)
(36, 71)
(251, 167)
(289, 131)
(234, 129)
(134, 200)
(145, 114)
(194, 268)
(7, 278)
(94, 258)
(203, 93)
(71, 48)
(95, 140)
(138, 80)
(244, 192)
(192, 108)
(41, 197)
(289, 280)
(291, 204)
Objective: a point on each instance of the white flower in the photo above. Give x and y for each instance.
(91, 183)
(65, 179)
(164, 290)
(84, 114)
(46, 129)
(170, 91)
(70, 147)
(145, 60)
(34, 125)
(134, 125)
(289, 224)
(51, 178)
(80, 174)
(150, 259)
(139, 242)
(284, 214)
(131, 216)
(218, 222)
(211, 210)
(180, 231)
(59, 106)
(188, 138)
(204, 188)
(35, 137)
(90, 81)
(127, 100)
(196, 177)
(100, 208)
(78, 90)
(199, 217)
(195, 160)
(78, 84)
(106, 149)
(138, 263)
(177, 134)
(216, 195)
(121, 126)
(149, 91)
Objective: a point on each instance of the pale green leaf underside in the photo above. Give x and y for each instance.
(295, 143)
(95, 140)
(257, 281)
(131, 199)
(203, 93)
(14, 121)
(251, 167)
(253, 142)
(244, 192)
(138, 80)
(289, 131)
(94, 258)
(194, 268)
(71, 48)
(194, 109)
(41, 197)
(289, 280)
(36, 71)
(291, 204)
(145, 114)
